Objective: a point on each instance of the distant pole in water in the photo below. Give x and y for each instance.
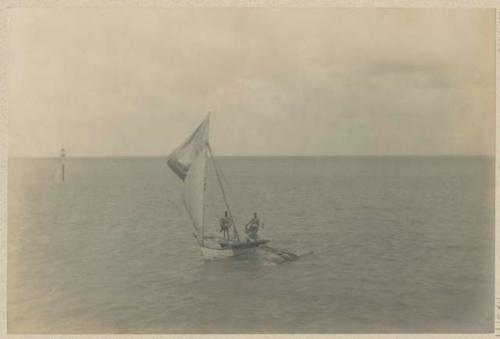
(63, 155)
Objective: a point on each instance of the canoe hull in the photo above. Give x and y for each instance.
(213, 253)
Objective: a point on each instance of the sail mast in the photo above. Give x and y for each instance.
(204, 207)
(223, 192)
(204, 183)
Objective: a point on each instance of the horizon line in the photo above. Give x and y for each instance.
(259, 156)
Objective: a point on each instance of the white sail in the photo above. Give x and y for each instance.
(189, 162)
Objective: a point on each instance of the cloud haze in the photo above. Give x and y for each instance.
(279, 81)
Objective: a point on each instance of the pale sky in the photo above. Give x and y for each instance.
(125, 82)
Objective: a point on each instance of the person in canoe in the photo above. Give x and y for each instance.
(225, 224)
(252, 228)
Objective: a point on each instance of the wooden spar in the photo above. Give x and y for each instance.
(223, 193)
(287, 255)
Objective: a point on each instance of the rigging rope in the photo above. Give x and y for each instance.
(218, 175)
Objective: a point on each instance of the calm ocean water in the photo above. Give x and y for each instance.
(402, 244)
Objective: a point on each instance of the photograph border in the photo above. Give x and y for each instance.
(6, 6)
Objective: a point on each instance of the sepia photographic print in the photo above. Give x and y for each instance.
(179, 169)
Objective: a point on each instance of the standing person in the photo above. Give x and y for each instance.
(225, 223)
(252, 227)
